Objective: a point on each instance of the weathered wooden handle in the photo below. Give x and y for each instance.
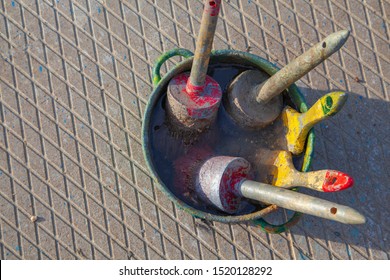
(203, 46)
(300, 66)
(300, 202)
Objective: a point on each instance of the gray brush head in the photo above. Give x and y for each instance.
(219, 179)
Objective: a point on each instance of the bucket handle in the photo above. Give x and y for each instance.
(164, 57)
(270, 228)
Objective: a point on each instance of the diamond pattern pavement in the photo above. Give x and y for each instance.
(75, 77)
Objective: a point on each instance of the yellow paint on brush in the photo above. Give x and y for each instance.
(298, 125)
(284, 174)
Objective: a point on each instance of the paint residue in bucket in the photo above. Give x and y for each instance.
(223, 138)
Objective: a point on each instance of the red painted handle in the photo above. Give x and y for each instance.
(336, 181)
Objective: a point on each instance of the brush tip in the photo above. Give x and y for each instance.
(340, 36)
(343, 34)
(333, 102)
(352, 217)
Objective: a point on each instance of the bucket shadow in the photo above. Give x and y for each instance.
(355, 141)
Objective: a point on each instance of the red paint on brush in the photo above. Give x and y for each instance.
(193, 90)
(336, 181)
(209, 93)
(213, 7)
(230, 182)
(200, 101)
(201, 113)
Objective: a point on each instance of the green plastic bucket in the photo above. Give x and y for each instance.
(217, 57)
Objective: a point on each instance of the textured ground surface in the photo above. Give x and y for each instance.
(75, 76)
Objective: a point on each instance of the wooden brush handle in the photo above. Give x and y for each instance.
(301, 65)
(300, 202)
(326, 106)
(324, 180)
(203, 46)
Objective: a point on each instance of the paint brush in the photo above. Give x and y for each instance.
(252, 101)
(193, 98)
(277, 168)
(224, 183)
